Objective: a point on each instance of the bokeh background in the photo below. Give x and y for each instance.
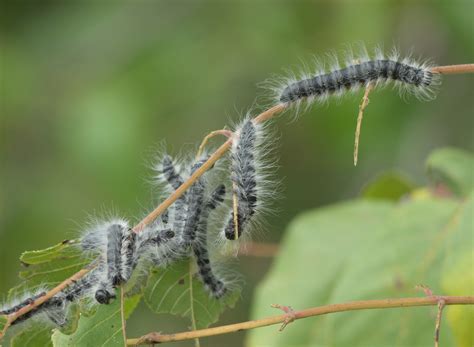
(89, 91)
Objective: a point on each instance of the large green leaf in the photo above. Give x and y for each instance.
(104, 328)
(454, 168)
(371, 249)
(170, 290)
(359, 250)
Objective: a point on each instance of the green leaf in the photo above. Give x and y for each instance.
(49, 267)
(388, 186)
(457, 276)
(453, 168)
(169, 291)
(34, 335)
(360, 250)
(104, 328)
(3, 322)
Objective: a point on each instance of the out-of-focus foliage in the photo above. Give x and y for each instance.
(371, 249)
(89, 90)
(389, 186)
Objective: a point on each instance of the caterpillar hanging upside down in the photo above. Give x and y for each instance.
(250, 172)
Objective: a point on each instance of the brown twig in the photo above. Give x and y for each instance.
(360, 116)
(454, 69)
(223, 132)
(122, 314)
(264, 116)
(315, 311)
(441, 304)
(256, 249)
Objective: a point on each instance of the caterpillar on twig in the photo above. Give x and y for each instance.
(359, 70)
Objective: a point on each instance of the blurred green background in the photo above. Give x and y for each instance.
(89, 91)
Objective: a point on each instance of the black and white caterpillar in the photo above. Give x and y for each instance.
(359, 71)
(200, 247)
(194, 208)
(119, 250)
(248, 176)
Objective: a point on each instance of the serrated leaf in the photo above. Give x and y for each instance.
(453, 168)
(34, 335)
(365, 249)
(47, 254)
(48, 267)
(169, 291)
(104, 328)
(389, 186)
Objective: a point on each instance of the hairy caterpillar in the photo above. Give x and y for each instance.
(119, 250)
(213, 284)
(244, 177)
(407, 74)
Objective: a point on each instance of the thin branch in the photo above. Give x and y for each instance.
(264, 116)
(441, 304)
(191, 300)
(257, 249)
(360, 116)
(223, 132)
(315, 311)
(122, 314)
(454, 69)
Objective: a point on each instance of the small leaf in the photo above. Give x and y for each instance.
(453, 168)
(47, 254)
(48, 267)
(388, 186)
(104, 328)
(169, 291)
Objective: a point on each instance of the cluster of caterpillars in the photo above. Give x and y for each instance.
(181, 232)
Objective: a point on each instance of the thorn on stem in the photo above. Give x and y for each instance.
(150, 338)
(425, 289)
(291, 315)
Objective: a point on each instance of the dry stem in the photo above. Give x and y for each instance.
(224, 132)
(454, 69)
(122, 314)
(315, 311)
(441, 304)
(362, 106)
